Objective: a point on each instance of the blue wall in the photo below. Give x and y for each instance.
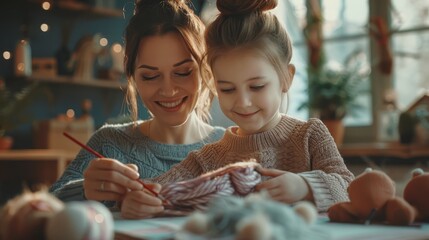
(107, 103)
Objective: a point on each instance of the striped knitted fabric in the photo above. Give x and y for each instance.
(235, 179)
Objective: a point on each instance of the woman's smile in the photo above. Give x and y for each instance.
(172, 106)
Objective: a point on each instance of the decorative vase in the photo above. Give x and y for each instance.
(23, 59)
(5, 142)
(336, 128)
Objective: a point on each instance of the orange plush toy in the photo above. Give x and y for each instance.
(416, 193)
(372, 199)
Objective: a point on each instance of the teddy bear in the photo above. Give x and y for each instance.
(373, 199)
(416, 193)
(40, 215)
(254, 217)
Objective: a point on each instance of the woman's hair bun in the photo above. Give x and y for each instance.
(237, 7)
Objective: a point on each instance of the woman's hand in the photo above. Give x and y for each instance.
(142, 204)
(285, 186)
(109, 180)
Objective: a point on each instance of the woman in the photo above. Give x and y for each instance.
(164, 65)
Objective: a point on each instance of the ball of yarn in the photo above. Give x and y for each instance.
(254, 217)
(81, 220)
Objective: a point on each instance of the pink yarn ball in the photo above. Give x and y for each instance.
(81, 220)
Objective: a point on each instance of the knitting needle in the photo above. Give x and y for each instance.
(89, 149)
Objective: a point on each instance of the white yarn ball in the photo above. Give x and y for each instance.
(307, 211)
(81, 220)
(254, 227)
(197, 223)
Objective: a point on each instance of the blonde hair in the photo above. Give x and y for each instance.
(158, 17)
(248, 24)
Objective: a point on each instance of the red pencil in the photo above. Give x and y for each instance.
(83, 145)
(87, 148)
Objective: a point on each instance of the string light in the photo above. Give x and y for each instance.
(117, 48)
(103, 42)
(70, 113)
(46, 6)
(44, 27)
(6, 55)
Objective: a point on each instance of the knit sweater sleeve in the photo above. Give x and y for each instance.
(69, 187)
(329, 177)
(187, 169)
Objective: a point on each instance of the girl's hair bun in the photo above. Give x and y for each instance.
(238, 7)
(142, 5)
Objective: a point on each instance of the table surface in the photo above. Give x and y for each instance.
(379, 149)
(169, 228)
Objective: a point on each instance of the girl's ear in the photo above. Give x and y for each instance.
(290, 75)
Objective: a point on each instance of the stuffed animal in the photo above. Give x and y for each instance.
(40, 215)
(416, 193)
(372, 198)
(252, 218)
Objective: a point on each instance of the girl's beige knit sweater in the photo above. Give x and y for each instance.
(302, 147)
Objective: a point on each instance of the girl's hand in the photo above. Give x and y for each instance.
(142, 204)
(108, 179)
(285, 186)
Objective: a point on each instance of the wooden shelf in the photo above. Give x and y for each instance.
(100, 83)
(87, 9)
(60, 157)
(83, 9)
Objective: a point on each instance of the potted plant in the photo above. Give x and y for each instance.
(11, 106)
(333, 90)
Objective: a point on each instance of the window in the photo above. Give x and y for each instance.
(344, 33)
(410, 44)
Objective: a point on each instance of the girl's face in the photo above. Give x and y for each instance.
(249, 90)
(167, 78)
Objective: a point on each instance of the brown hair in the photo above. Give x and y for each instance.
(247, 24)
(157, 17)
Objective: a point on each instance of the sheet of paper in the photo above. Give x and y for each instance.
(153, 228)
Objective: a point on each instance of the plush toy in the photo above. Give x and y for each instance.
(252, 218)
(372, 199)
(416, 193)
(40, 215)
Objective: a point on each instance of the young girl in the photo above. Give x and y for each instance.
(164, 64)
(249, 52)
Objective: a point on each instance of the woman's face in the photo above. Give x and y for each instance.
(167, 78)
